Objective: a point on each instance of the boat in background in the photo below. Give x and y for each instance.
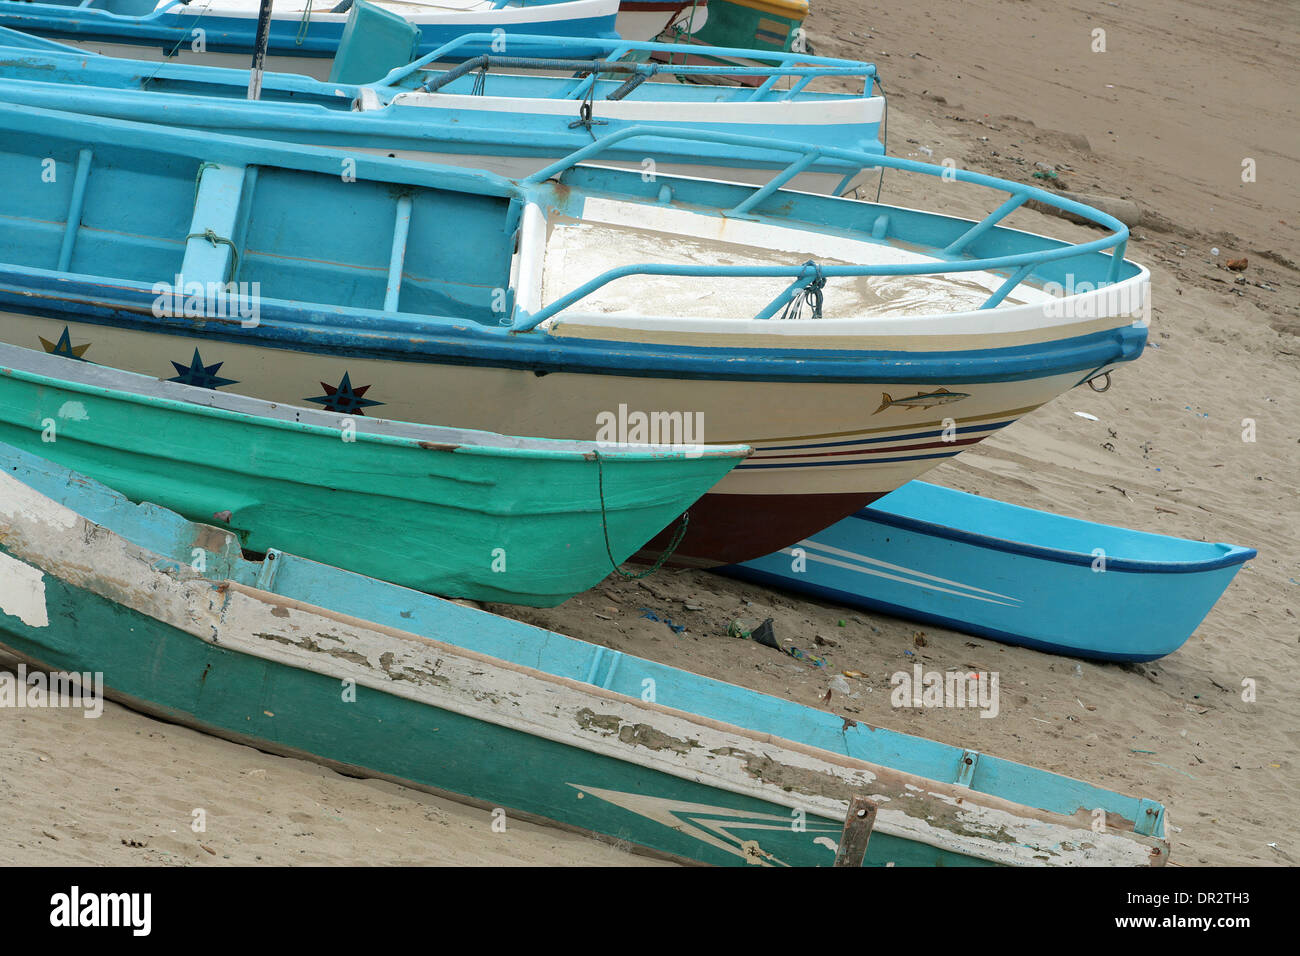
(762, 27)
(461, 513)
(511, 123)
(303, 38)
(1015, 575)
(500, 714)
(651, 19)
(580, 302)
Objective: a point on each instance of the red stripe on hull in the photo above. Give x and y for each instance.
(728, 529)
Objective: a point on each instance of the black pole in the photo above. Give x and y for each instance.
(259, 50)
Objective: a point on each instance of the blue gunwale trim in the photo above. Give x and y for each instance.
(1235, 556)
(912, 613)
(408, 338)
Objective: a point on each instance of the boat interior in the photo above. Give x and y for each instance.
(467, 246)
(380, 246)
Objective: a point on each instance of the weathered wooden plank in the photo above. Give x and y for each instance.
(858, 824)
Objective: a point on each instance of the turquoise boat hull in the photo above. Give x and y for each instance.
(231, 28)
(461, 513)
(500, 714)
(1012, 574)
(512, 123)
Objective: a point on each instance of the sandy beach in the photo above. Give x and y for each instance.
(1185, 91)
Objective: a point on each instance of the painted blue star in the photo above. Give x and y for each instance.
(343, 397)
(200, 375)
(64, 346)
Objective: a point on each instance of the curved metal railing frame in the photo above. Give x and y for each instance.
(1023, 263)
(789, 65)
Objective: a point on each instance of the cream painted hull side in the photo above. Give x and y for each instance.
(810, 438)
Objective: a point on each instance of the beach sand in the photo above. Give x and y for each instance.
(1185, 91)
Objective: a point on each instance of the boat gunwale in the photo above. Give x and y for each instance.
(1234, 555)
(473, 344)
(24, 364)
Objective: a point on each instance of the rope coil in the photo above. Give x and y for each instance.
(810, 295)
(216, 240)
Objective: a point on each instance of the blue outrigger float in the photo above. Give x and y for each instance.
(302, 38)
(474, 115)
(497, 713)
(1009, 573)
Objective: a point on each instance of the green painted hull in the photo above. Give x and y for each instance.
(523, 524)
(264, 653)
(749, 26)
(233, 695)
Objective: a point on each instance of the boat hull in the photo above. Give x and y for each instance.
(489, 523)
(238, 653)
(496, 325)
(1011, 574)
(821, 451)
(293, 46)
(512, 136)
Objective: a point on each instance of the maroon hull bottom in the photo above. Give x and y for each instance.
(728, 529)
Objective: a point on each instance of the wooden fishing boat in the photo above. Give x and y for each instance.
(303, 38)
(657, 18)
(474, 115)
(301, 659)
(462, 513)
(761, 28)
(580, 302)
(1013, 574)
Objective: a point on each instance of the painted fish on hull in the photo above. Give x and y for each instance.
(921, 400)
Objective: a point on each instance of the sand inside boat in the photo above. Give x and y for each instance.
(607, 237)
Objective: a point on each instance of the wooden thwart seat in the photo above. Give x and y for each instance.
(211, 250)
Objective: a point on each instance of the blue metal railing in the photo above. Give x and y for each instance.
(798, 66)
(1022, 264)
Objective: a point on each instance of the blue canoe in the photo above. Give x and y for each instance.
(474, 115)
(374, 680)
(1013, 574)
(303, 38)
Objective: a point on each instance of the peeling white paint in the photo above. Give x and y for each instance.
(22, 592)
(722, 756)
(75, 411)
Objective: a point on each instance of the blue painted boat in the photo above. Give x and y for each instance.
(582, 301)
(303, 37)
(474, 115)
(301, 659)
(1013, 574)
